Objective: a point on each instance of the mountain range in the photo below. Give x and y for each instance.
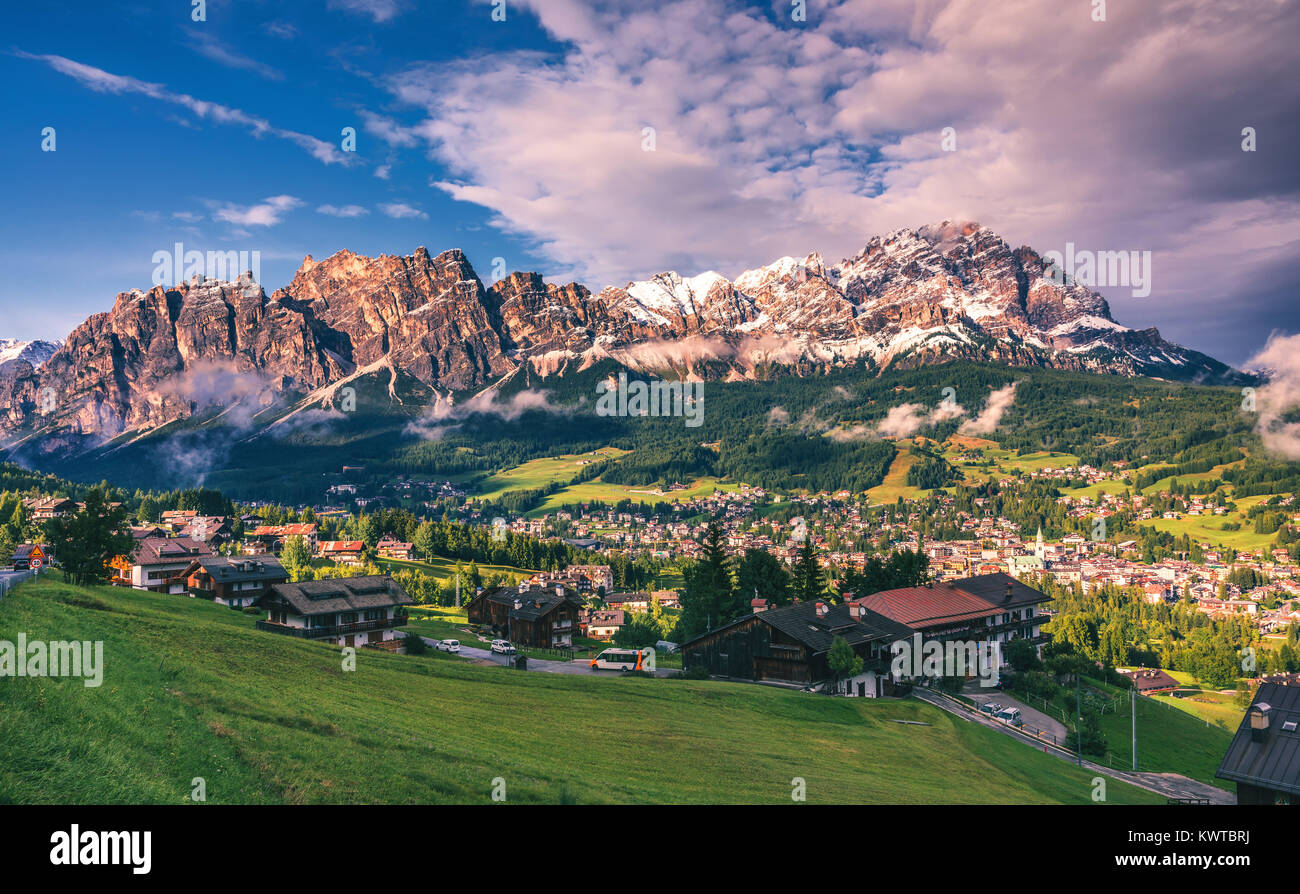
(936, 293)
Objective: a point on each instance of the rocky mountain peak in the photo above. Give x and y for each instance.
(945, 290)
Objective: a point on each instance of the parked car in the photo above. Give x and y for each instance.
(449, 645)
(503, 647)
(990, 708)
(1010, 716)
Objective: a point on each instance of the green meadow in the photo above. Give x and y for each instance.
(192, 690)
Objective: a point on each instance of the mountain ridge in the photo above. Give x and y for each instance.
(935, 293)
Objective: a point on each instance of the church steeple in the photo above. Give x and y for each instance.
(1038, 544)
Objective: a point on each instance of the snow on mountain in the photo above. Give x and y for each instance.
(34, 352)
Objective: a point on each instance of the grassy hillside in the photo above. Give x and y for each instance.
(1169, 740)
(192, 690)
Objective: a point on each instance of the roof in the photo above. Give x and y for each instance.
(168, 550)
(1150, 680)
(1275, 762)
(981, 596)
(228, 570)
(802, 623)
(341, 594)
(529, 605)
(342, 546)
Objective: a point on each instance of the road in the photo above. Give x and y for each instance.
(1171, 785)
(1046, 724)
(579, 668)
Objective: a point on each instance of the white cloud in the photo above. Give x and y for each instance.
(1280, 397)
(205, 45)
(267, 213)
(781, 138)
(446, 415)
(379, 11)
(106, 82)
(987, 421)
(344, 211)
(402, 211)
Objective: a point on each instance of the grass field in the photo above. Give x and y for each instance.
(895, 484)
(606, 492)
(1218, 709)
(540, 472)
(445, 570)
(192, 690)
(1169, 740)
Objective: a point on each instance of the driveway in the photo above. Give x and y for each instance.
(1045, 724)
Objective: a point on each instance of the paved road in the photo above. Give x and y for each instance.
(1045, 723)
(1171, 785)
(580, 668)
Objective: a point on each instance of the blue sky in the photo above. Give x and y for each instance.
(133, 174)
(525, 140)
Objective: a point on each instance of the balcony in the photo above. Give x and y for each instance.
(399, 618)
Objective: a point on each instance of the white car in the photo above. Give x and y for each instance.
(502, 647)
(449, 645)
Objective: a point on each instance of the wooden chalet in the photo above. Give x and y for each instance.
(236, 582)
(528, 616)
(211, 529)
(392, 548)
(157, 564)
(274, 536)
(347, 611)
(1148, 681)
(602, 624)
(984, 608)
(629, 602)
(791, 644)
(346, 552)
(45, 508)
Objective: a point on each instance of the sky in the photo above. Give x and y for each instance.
(603, 142)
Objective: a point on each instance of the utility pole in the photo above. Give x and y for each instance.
(1078, 706)
(1134, 693)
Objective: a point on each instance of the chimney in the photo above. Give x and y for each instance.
(1260, 715)
(821, 609)
(855, 610)
(1010, 587)
(519, 603)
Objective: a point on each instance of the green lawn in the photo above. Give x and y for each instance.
(445, 570)
(1219, 709)
(192, 690)
(1169, 740)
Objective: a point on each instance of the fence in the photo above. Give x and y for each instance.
(9, 580)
